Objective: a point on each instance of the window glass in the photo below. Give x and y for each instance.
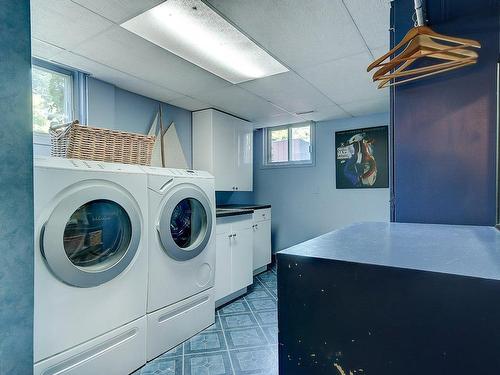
(289, 145)
(279, 145)
(97, 235)
(301, 142)
(52, 98)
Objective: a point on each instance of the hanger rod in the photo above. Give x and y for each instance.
(419, 12)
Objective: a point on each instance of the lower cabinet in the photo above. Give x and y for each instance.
(234, 259)
(262, 239)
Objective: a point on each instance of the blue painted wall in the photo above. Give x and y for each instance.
(115, 108)
(16, 190)
(305, 202)
(237, 197)
(445, 126)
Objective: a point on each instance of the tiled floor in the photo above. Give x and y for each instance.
(243, 339)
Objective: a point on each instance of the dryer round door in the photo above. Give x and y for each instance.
(92, 235)
(185, 224)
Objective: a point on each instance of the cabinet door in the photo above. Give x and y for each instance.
(244, 140)
(241, 259)
(261, 244)
(222, 266)
(225, 151)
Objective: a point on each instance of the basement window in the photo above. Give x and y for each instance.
(58, 97)
(289, 145)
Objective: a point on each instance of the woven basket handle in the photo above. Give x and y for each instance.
(56, 132)
(59, 126)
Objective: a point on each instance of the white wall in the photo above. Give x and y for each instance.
(305, 202)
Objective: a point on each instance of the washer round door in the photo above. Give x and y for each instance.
(92, 235)
(185, 224)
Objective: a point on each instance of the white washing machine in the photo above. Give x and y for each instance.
(181, 256)
(90, 267)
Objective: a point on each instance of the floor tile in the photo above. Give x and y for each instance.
(162, 366)
(205, 342)
(267, 317)
(267, 276)
(271, 333)
(258, 293)
(260, 360)
(238, 306)
(214, 327)
(273, 285)
(208, 364)
(238, 321)
(274, 293)
(262, 304)
(175, 352)
(245, 337)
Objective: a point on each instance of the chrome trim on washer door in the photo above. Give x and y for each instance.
(164, 227)
(53, 246)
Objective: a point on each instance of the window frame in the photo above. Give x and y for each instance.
(266, 157)
(78, 99)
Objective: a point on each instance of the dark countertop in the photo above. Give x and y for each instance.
(224, 212)
(246, 206)
(453, 249)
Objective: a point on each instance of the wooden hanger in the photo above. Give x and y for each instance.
(426, 31)
(387, 82)
(422, 42)
(420, 48)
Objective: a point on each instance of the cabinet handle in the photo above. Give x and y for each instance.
(234, 235)
(230, 236)
(236, 187)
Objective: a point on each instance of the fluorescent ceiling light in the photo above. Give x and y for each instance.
(195, 32)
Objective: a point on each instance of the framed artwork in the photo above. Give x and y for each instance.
(362, 158)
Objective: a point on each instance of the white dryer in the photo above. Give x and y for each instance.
(181, 256)
(90, 267)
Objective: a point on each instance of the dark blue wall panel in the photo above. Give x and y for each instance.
(445, 126)
(16, 190)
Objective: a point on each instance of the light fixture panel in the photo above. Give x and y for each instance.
(195, 32)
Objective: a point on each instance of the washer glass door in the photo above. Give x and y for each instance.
(185, 224)
(92, 234)
(97, 235)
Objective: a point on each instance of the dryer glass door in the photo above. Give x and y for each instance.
(185, 224)
(92, 234)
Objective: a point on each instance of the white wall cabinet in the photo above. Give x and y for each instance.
(234, 259)
(223, 146)
(261, 239)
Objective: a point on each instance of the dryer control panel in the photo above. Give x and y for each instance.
(172, 172)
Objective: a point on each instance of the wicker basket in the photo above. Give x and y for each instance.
(77, 141)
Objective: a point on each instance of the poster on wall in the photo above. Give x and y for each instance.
(361, 158)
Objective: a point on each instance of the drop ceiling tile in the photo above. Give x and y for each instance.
(118, 11)
(331, 112)
(288, 91)
(44, 50)
(129, 53)
(116, 77)
(277, 120)
(189, 103)
(299, 33)
(239, 102)
(372, 18)
(368, 107)
(64, 23)
(343, 80)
